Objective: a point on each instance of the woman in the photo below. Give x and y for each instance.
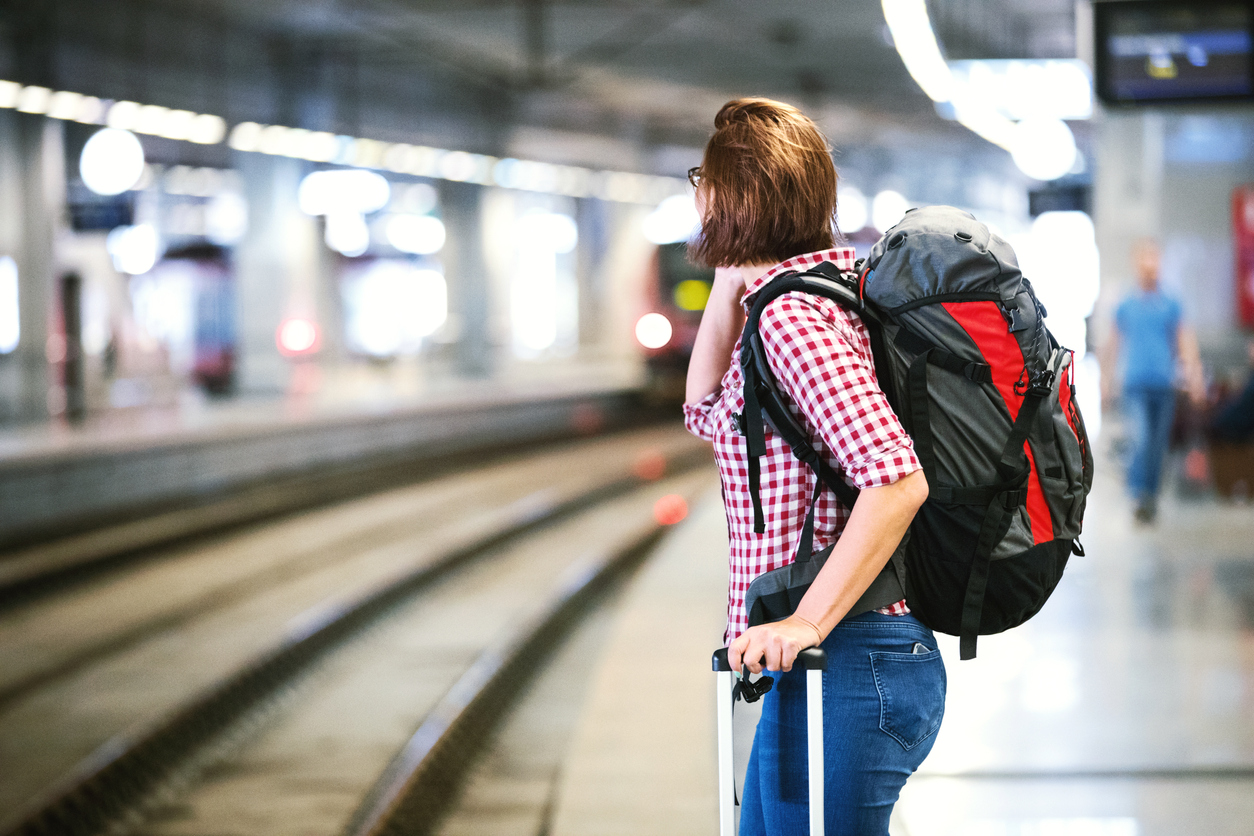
(766, 192)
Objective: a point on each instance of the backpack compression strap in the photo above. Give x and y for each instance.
(764, 400)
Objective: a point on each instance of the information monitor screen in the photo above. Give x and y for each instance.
(1174, 51)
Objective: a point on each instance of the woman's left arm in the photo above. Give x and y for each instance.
(878, 522)
(823, 364)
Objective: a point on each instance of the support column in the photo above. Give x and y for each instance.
(465, 270)
(277, 269)
(32, 190)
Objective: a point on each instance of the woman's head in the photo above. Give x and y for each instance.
(766, 186)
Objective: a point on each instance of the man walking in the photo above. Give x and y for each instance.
(1149, 340)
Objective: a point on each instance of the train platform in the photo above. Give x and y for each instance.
(1125, 708)
(57, 480)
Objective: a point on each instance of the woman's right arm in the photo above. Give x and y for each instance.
(716, 337)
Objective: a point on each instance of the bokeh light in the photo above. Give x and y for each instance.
(112, 161)
(297, 336)
(653, 330)
(670, 509)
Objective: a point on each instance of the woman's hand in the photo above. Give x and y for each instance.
(772, 646)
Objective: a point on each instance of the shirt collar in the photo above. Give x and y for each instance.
(842, 257)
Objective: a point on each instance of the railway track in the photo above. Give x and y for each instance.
(279, 669)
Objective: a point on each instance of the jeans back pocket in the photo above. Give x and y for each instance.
(912, 694)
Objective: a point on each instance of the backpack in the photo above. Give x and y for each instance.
(964, 358)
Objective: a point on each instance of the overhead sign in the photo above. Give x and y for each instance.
(1174, 50)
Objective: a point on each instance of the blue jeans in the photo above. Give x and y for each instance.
(882, 705)
(1150, 413)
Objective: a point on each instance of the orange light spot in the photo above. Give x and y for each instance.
(649, 465)
(670, 509)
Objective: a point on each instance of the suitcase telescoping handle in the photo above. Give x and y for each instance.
(814, 661)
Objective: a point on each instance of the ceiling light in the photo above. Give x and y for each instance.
(123, 115)
(64, 105)
(916, 44)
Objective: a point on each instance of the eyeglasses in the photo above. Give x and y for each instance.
(694, 176)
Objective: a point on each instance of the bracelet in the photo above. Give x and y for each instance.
(811, 625)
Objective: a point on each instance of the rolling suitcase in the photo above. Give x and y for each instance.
(814, 661)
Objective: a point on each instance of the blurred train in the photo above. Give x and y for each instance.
(675, 294)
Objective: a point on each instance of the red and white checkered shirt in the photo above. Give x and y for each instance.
(821, 356)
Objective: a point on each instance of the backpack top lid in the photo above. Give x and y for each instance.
(936, 250)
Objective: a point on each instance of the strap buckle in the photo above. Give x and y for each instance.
(1042, 383)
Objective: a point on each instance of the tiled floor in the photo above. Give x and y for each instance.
(1125, 708)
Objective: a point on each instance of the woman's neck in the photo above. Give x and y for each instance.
(753, 272)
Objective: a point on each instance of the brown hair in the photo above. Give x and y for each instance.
(768, 186)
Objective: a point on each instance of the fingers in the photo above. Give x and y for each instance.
(765, 647)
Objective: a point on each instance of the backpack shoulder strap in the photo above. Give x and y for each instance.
(765, 401)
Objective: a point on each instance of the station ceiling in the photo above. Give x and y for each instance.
(480, 74)
(668, 63)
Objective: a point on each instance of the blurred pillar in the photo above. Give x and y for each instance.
(278, 267)
(32, 194)
(465, 270)
(1127, 199)
(593, 246)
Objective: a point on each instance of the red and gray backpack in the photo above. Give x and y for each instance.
(963, 356)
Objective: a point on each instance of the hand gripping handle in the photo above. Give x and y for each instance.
(811, 659)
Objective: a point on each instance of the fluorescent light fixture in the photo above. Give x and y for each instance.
(1025, 88)
(976, 104)
(112, 161)
(325, 147)
(34, 99)
(64, 105)
(916, 44)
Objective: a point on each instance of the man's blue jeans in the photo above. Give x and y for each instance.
(1150, 412)
(882, 705)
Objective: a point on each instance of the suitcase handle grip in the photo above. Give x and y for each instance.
(811, 659)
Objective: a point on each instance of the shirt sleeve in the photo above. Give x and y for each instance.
(824, 365)
(698, 417)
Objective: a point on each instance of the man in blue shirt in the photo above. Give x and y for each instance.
(1150, 339)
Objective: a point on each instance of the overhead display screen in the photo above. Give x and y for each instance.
(1174, 50)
